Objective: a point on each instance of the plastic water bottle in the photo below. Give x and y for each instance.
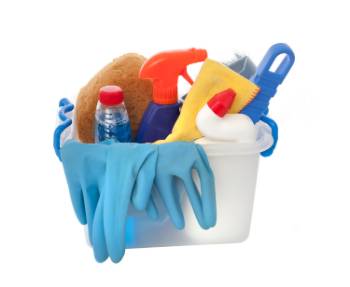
(112, 120)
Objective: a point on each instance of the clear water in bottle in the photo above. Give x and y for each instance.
(112, 120)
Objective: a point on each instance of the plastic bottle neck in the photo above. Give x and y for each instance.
(111, 107)
(165, 95)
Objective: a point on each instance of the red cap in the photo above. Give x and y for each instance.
(222, 102)
(111, 95)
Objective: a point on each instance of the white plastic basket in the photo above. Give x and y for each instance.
(235, 167)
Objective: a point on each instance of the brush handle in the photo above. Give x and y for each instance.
(268, 80)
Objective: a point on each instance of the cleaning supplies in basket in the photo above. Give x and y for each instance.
(112, 120)
(123, 189)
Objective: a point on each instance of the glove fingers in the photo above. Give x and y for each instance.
(207, 187)
(70, 160)
(115, 212)
(77, 199)
(116, 202)
(167, 189)
(152, 210)
(91, 196)
(195, 200)
(144, 183)
(98, 236)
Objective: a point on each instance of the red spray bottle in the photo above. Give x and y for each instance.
(163, 70)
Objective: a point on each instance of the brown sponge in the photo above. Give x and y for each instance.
(122, 72)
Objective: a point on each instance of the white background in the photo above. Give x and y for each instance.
(300, 233)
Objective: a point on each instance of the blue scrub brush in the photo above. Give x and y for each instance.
(268, 80)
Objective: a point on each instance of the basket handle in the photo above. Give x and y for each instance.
(65, 106)
(274, 128)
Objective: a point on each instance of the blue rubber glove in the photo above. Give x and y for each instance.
(178, 160)
(84, 166)
(103, 179)
(129, 176)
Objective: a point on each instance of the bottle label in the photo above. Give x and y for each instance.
(119, 132)
(112, 124)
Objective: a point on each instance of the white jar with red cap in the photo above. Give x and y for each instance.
(215, 124)
(112, 120)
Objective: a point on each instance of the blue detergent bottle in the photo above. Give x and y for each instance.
(112, 120)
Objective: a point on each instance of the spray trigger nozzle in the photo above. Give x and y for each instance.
(187, 77)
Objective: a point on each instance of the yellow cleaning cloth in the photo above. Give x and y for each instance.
(213, 78)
